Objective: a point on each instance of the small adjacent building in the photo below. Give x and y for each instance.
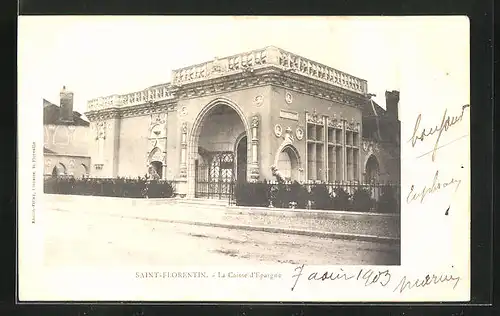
(66, 138)
(234, 118)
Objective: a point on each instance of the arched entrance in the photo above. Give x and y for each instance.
(288, 163)
(59, 170)
(241, 158)
(84, 171)
(218, 150)
(155, 169)
(372, 170)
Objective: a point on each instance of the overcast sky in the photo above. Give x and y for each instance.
(99, 56)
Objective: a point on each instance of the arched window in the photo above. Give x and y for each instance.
(156, 169)
(59, 170)
(372, 169)
(288, 163)
(285, 165)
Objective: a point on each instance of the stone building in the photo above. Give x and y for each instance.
(233, 118)
(66, 138)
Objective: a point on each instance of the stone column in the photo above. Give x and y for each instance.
(182, 182)
(183, 169)
(344, 151)
(255, 170)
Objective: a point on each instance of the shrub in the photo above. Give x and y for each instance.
(341, 199)
(280, 195)
(388, 202)
(252, 194)
(119, 187)
(362, 200)
(321, 198)
(299, 194)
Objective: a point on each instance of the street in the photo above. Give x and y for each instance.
(95, 239)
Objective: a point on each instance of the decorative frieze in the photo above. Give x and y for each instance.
(352, 126)
(314, 118)
(335, 122)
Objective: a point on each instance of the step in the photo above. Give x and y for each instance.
(203, 202)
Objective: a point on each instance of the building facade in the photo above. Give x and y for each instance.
(66, 138)
(234, 118)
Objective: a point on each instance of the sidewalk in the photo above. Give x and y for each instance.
(327, 224)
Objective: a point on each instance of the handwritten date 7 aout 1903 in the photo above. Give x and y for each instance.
(365, 276)
(370, 277)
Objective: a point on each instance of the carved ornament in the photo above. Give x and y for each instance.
(314, 118)
(299, 133)
(278, 131)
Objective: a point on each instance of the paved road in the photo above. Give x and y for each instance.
(76, 238)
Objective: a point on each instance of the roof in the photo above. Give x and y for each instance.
(51, 115)
(373, 109)
(48, 151)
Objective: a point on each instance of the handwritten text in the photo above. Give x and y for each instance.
(446, 123)
(421, 194)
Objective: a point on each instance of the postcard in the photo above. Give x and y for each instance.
(238, 158)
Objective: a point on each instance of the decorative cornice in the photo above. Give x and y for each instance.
(131, 111)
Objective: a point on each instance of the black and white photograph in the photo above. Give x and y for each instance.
(243, 149)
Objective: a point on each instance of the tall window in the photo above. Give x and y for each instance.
(316, 169)
(335, 142)
(332, 149)
(352, 154)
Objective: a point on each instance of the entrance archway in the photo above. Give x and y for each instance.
(241, 158)
(288, 163)
(155, 170)
(59, 170)
(218, 135)
(372, 169)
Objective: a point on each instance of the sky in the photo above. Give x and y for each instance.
(100, 56)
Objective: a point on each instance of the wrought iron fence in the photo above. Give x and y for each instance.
(353, 196)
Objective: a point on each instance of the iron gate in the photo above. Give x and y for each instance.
(215, 180)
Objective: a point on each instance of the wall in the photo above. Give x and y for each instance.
(133, 146)
(300, 103)
(67, 139)
(73, 165)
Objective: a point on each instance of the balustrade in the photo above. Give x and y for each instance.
(241, 62)
(153, 94)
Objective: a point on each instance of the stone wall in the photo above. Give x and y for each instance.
(77, 166)
(67, 139)
(133, 146)
(288, 111)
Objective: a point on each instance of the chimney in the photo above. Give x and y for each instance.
(392, 103)
(66, 110)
